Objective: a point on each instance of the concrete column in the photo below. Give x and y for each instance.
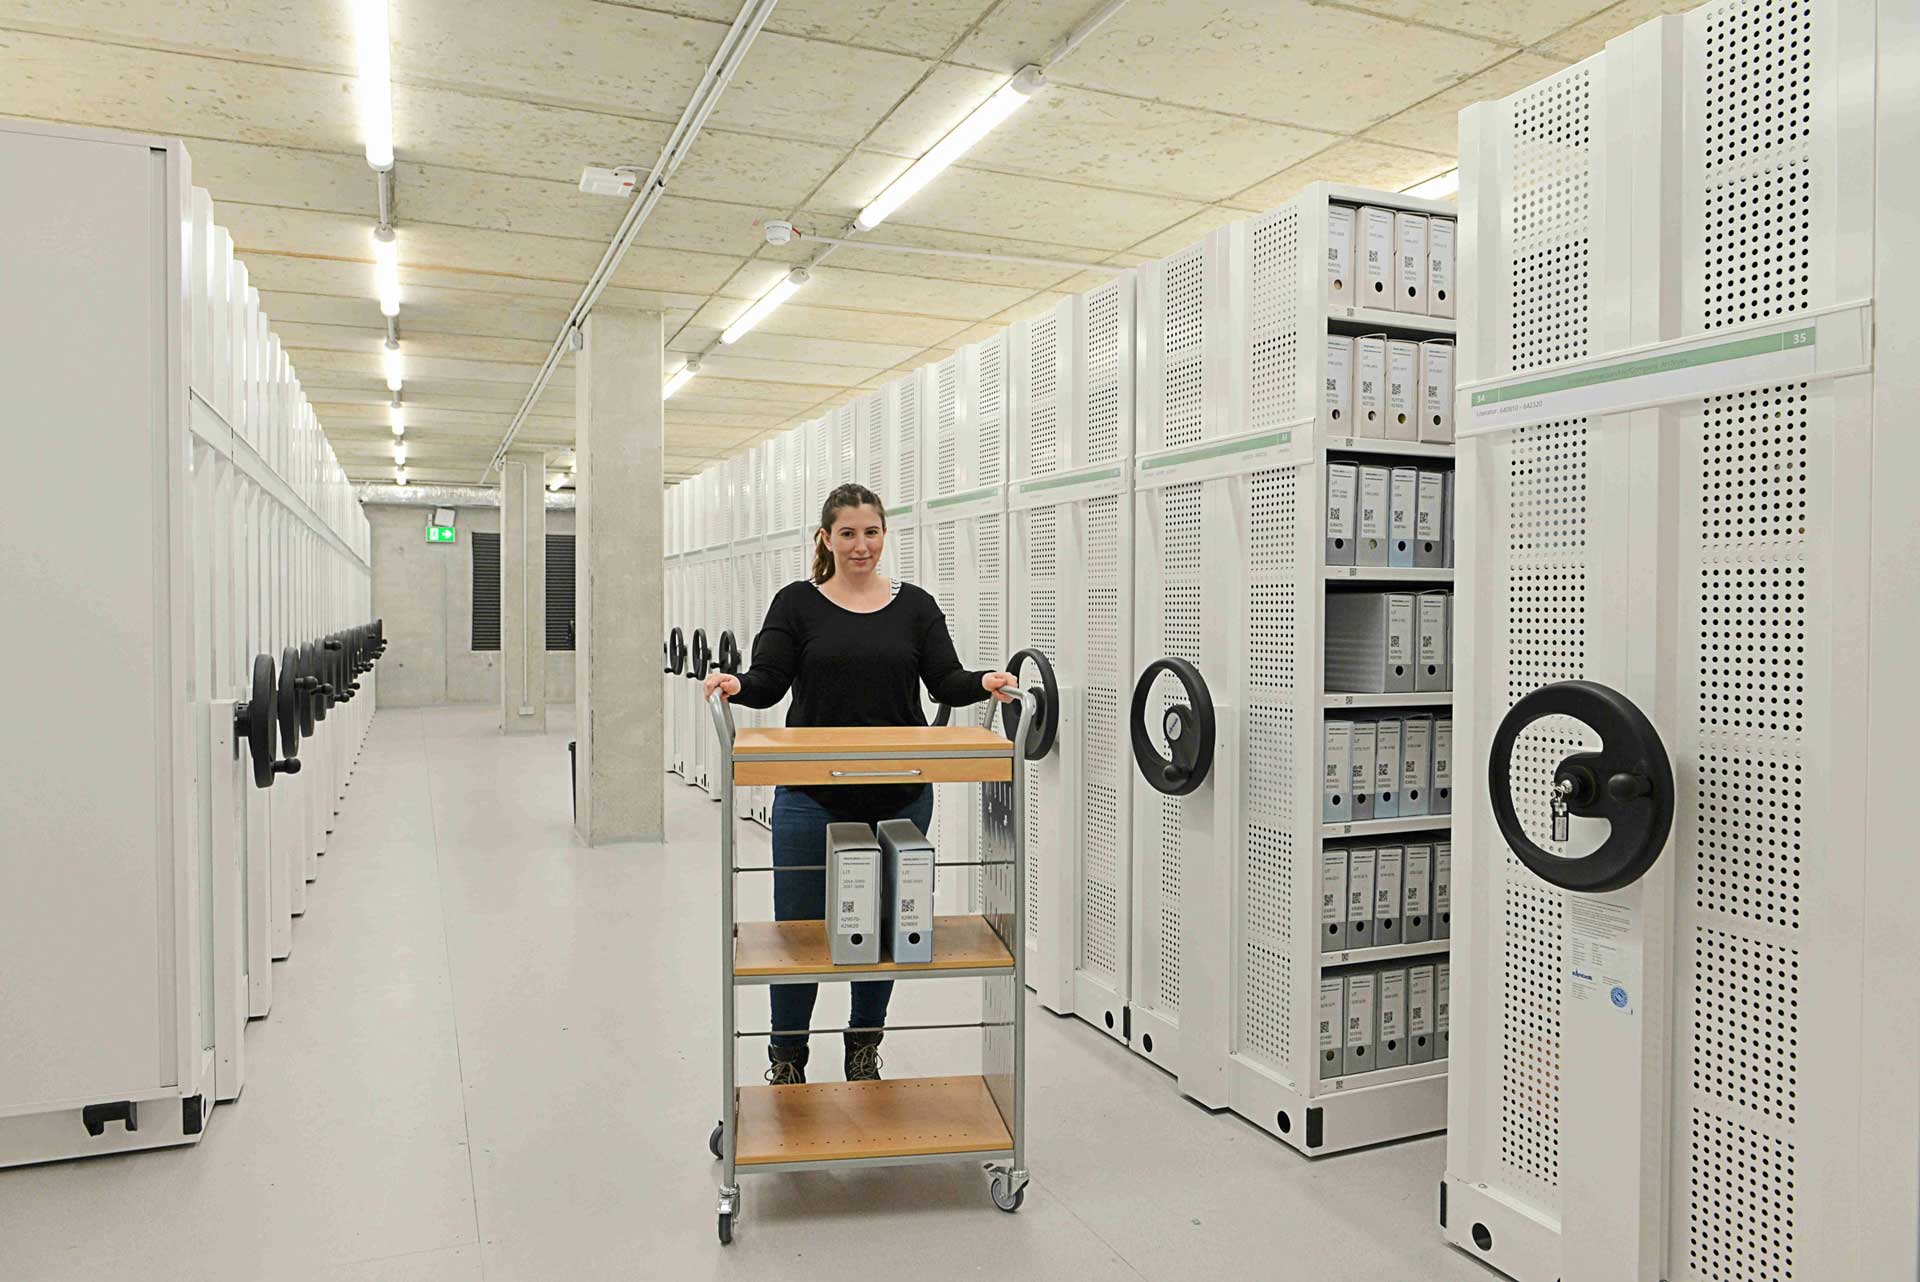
(619, 443)
(523, 593)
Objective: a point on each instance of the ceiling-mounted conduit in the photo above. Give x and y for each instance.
(719, 74)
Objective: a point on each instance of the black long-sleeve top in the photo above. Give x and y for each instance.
(847, 668)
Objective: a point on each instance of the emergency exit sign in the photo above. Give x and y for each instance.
(439, 534)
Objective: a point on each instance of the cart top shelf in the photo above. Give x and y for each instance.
(871, 754)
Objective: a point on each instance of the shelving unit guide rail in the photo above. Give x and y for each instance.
(979, 1119)
(1312, 1113)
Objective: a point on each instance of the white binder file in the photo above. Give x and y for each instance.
(1343, 492)
(907, 899)
(1420, 1015)
(1370, 385)
(1442, 796)
(1401, 622)
(1416, 895)
(1388, 864)
(1336, 804)
(1386, 768)
(1429, 517)
(1332, 1017)
(1410, 266)
(1333, 899)
(1376, 257)
(1360, 775)
(1403, 391)
(1440, 296)
(1431, 669)
(1447, 524)
(1340, 384)
(1440, 978)
(853, 895)
(1362, 994)
(1416, 765)
(1443, 890)
(1392, 1040)
(1370, 536)
(1436, 391)
(1360, 874)
(1403, 496)
(1340, 278)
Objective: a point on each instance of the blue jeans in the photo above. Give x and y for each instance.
(800, 837)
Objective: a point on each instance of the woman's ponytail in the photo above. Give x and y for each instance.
(842, 498)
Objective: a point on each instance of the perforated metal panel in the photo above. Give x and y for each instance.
(1104, 880)
(1268, 986)
(1275, 388)
(1183, 353)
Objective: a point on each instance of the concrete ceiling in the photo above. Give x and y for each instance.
(1175, 117)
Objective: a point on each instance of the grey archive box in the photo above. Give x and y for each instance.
(1370, 642)
(853, 895)
(906, 902)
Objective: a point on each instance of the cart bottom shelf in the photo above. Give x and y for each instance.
(836, 1121)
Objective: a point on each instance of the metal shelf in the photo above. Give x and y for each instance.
(1385, 953)
(797, 952)
(1425, 699)
(1378, 445)
(884, 1121)
(1384, 827)
(1388, 574)
(1385, 1076)
(1381, 318)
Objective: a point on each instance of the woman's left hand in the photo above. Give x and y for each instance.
(994, 683)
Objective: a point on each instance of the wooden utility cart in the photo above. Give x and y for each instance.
(975, 1118)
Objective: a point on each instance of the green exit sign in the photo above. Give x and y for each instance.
(439, 534)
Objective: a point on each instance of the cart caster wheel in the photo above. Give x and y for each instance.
(713, 1140)
(726, 1229)
(1001, 1198)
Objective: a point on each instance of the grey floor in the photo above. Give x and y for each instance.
(492, 1055)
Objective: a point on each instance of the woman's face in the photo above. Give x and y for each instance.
(856, 538)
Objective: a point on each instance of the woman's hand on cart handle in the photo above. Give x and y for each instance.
(725, 683)
(997, 684)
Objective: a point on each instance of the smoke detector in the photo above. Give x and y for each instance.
(609, 182)
(778, 233)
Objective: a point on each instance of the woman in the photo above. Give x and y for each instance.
(850, 644)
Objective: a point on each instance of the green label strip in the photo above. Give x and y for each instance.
(1077, 478)
(1739, 349)
(1217, 451)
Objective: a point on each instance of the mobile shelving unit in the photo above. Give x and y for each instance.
(904, 1121)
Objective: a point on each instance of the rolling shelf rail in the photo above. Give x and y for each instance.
(903, 1121)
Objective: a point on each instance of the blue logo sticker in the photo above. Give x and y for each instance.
(1619, 997)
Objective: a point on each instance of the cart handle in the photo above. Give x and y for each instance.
(1029, 715)
(722, 717)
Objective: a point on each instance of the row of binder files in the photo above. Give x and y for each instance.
(1393, 517)
(1390, 767)
(1381, 1017)
(1390, 260)
(1379, 896)
(879, 889)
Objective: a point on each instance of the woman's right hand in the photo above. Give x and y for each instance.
(725, 683)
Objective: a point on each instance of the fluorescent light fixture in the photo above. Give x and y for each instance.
(400, 453)
(398, 418)
(1438, 187)
(680, 378)
(399, 476)
(558, 479)
(1008, 99)
(396, 366)
(375, 89)
(762, 309)
(386, 270)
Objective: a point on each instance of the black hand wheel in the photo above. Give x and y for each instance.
(335, 683)
(1628, 783)
(943, 713)
(257, 722)
(287, 701)
(702, 656)
(676, 652)
(1047, 705)
(1189, 728)
(306, 687)
(728, 658)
